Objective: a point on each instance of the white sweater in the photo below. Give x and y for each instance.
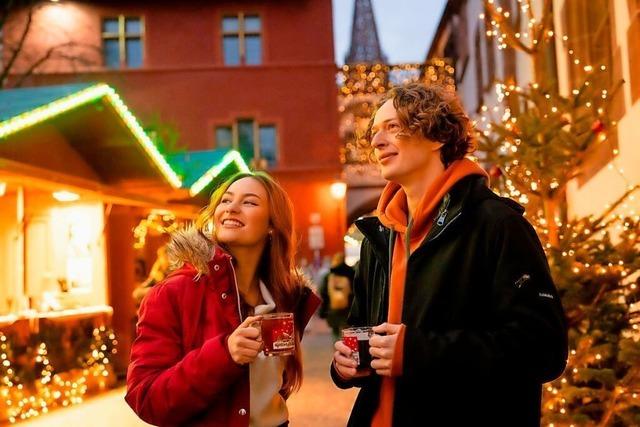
(268, 407)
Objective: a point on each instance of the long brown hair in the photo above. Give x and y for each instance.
(277, 264)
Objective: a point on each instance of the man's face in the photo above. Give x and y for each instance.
(402, 156)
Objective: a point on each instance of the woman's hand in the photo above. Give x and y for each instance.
(245, 342)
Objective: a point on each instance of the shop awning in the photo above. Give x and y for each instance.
(202, 170)
(60, 127)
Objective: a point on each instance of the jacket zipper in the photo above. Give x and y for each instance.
(235, 282)
(446, 226)
(444, 211)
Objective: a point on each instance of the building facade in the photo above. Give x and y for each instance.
(256, 76)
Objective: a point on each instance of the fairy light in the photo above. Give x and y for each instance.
(229, 158)
(53, 390)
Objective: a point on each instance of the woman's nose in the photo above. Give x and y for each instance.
(233, 206)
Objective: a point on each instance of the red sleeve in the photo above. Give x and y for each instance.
(163, 385)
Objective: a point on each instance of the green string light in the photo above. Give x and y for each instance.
(204, 180)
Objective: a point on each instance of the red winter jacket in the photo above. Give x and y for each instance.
(176, 375)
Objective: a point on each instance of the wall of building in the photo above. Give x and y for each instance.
(609, 183)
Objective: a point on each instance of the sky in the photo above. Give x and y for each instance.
(405, 27)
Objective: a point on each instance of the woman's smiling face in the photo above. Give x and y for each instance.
(242, 216)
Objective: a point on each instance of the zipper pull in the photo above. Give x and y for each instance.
(442, 217)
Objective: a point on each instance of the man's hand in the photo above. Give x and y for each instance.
(343, 362)
(245, 342)
(382, 347)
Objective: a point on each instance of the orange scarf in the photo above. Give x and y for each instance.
(393, 213)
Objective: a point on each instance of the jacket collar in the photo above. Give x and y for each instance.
(469, 191)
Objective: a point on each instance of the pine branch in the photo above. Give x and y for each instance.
(507, 29)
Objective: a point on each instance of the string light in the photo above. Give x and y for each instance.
(27, 400)
(231, 157)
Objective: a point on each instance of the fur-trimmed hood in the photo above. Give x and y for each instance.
(188, 245)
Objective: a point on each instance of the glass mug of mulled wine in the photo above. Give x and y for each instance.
(357, 339)
(278, 334)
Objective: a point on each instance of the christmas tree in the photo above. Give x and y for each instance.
(537, 141)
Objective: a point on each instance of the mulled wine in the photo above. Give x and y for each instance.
(357, 339)
(278, 334)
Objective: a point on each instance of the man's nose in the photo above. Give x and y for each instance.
(378, 141)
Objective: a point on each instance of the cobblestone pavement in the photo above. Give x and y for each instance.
(318, 403)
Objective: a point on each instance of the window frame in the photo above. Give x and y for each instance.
(256, 125)
(242, 34)
(122, 36)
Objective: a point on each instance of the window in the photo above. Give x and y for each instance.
(242, 40)
(268, 147)
(479, 72)
(257, 143)
(589, 31)
(590, 38)
(122, 42)
(224, 137)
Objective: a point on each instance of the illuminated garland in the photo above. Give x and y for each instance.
(162, 222)
(231, 157)
(376, 79)
(22, 401)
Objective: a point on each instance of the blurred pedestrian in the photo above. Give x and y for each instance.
(337, 294)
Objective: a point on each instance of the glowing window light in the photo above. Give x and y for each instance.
(66, 196)
(204, 180)
(3, 188)
(62, 105)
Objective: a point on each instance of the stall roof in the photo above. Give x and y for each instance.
(24, 108)
(200, 169)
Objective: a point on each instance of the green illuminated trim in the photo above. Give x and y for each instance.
(62, 105)
(204, 180)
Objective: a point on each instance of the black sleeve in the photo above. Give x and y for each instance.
(528, 332)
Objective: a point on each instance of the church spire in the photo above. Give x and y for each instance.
(365, 45)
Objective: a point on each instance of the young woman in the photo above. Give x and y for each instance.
(197, 359)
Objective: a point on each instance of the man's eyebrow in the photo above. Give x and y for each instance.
(383, 122)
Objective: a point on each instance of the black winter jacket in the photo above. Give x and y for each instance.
(484, 323)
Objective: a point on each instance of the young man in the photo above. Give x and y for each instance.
(468, 321)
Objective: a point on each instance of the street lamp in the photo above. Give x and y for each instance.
(338, 190)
